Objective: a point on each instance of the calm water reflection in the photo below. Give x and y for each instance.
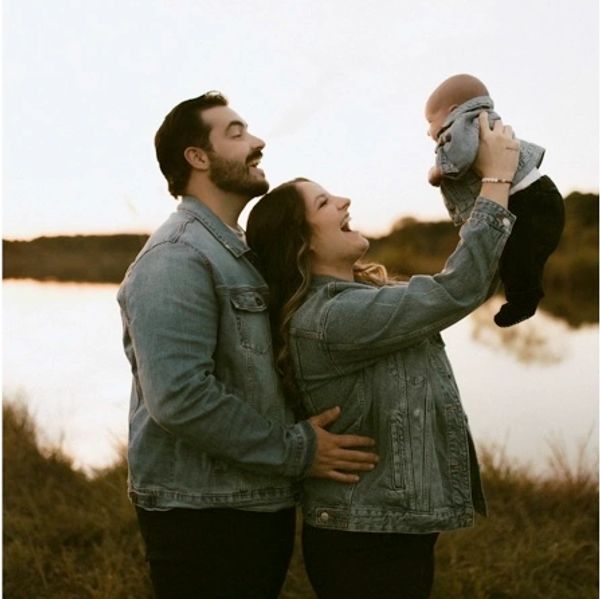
(522, 387)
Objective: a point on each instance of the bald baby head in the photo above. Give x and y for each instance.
(448, 95)
(456, 90)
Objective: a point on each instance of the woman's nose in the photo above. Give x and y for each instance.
(343, 203)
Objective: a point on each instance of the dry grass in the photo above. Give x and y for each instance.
(67, 536)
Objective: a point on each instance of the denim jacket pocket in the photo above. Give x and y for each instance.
(398, 441)
(252, 320)
(458, 456)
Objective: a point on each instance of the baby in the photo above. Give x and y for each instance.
(452, 111)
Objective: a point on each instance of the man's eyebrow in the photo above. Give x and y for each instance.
(236, 124)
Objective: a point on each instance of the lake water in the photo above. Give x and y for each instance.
(523, 388)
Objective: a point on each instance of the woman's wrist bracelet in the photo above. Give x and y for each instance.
(495, 180)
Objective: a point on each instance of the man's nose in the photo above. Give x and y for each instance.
(257, 142)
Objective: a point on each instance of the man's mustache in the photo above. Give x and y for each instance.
(254, 156)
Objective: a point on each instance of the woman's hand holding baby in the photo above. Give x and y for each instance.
(497, 158)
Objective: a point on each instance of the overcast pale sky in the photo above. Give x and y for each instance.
(335, 88)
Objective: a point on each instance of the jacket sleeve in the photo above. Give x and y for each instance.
(457, 153)
(386, 319)
(173, 331)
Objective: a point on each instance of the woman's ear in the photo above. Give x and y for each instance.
(197, 158)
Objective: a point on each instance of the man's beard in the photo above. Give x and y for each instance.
(235, 177)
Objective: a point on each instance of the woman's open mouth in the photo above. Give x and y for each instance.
(345, 226)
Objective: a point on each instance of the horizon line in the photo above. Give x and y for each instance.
(374, 233)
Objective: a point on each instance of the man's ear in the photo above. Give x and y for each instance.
(197, 158)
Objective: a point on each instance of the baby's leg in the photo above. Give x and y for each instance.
(536, 233)
(522, 285)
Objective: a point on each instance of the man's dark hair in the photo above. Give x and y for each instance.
(183, 127)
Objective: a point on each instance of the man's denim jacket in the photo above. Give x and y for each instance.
(377, 353)
(456, 150)
(208, 424)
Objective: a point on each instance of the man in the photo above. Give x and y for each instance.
(214, 453)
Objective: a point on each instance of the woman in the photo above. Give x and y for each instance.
(346, 335)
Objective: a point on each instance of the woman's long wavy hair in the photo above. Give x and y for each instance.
(279, 234)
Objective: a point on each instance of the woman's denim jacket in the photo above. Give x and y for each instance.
(377, 353)
(208, 424)
(456, 150)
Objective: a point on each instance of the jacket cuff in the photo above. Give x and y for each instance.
(494, 214)
(306, 448)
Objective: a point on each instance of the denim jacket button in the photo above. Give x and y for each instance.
(323, 516)
(506, 222)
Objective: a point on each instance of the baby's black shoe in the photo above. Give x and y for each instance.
(519, 307)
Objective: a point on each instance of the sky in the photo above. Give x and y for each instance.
(335, 88)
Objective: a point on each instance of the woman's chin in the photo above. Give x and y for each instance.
(365, 244)
(361, 247)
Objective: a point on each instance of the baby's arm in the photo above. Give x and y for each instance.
(435, 176)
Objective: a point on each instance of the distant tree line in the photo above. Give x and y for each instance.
(83, 258)
(571, 276)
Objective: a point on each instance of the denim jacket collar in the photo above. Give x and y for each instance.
(214, 224)
(478, 103)
(320, 280)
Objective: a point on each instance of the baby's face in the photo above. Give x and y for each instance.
(436, 119)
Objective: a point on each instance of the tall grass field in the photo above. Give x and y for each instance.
(71, 536)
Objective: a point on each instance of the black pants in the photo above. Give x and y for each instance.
(540, 214)
(357, 565)
(217, 553)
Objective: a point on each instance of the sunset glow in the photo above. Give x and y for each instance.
(336, 90)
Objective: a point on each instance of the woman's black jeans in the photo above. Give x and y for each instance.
(364, 565)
